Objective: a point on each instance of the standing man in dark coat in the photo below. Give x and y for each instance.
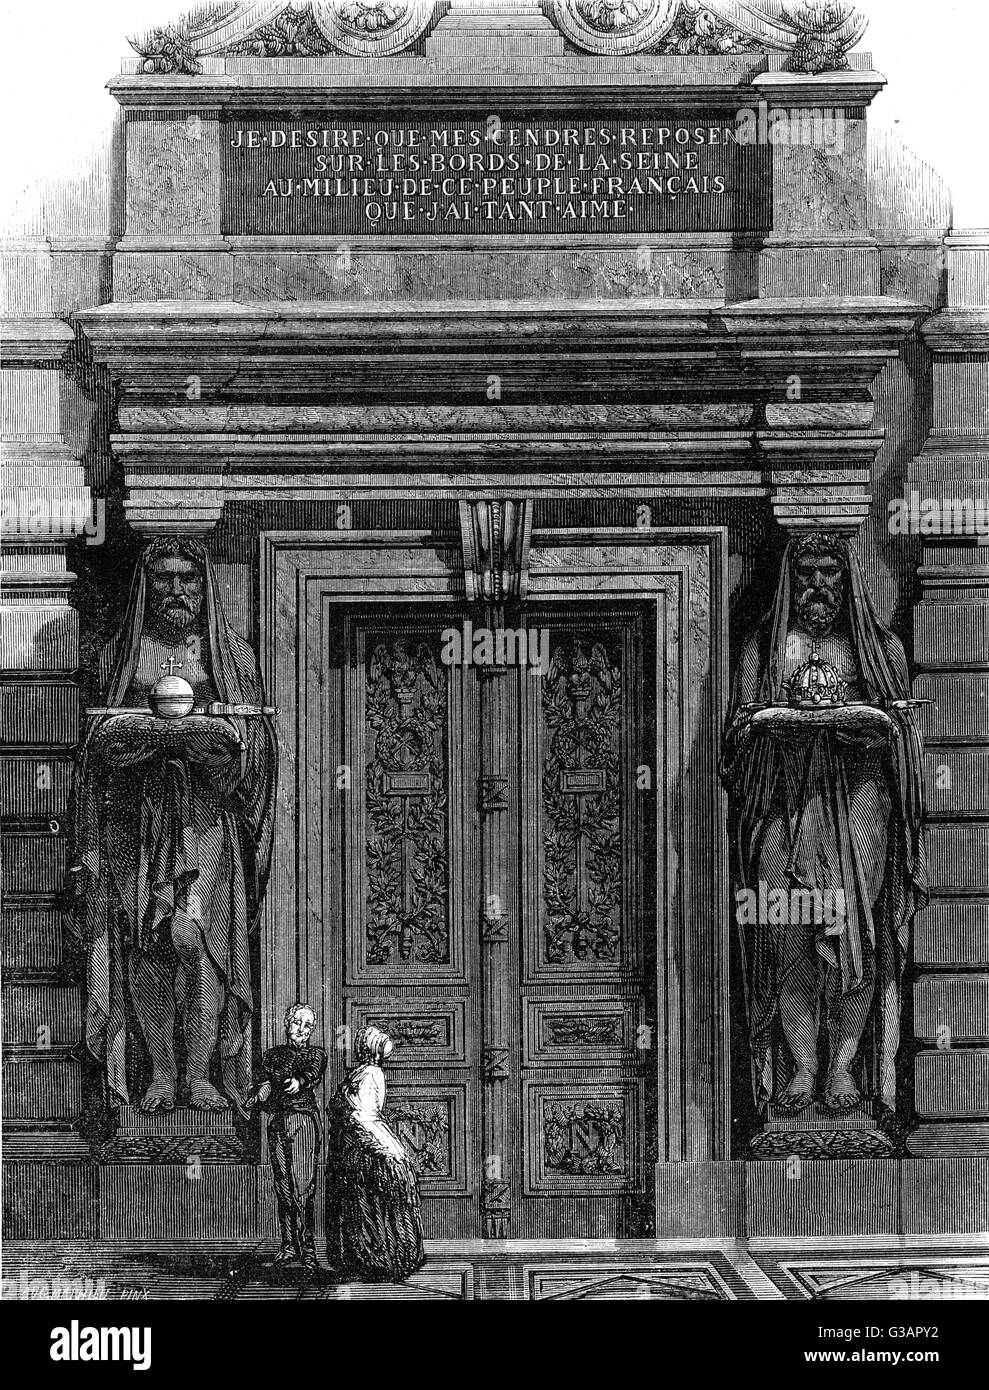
(287, 1081)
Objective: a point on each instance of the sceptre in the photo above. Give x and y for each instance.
(171, 697)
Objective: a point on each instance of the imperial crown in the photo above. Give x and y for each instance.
(816, 684)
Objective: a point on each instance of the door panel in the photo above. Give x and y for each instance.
(407, 853)
(586, 1053)
(405, 750)
(526, 1027)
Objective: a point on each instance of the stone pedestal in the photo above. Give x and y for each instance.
(815, 1132)
(182, 1135)
(200, 1202)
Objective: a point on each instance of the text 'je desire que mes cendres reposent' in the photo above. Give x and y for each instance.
(492, 175)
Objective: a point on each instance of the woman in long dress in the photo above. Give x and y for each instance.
(373, 1216)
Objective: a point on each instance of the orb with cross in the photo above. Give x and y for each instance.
(171, 697)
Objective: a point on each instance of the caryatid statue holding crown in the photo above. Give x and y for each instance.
(823, 765)
(173, 814)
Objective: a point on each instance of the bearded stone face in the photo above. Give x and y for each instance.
(818, 591)
(175, 596)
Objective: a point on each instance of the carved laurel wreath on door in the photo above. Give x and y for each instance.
(582, 871)
(406, 801)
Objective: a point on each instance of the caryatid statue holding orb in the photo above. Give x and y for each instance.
(174, 808)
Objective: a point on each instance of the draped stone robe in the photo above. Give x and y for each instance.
(172, 836)
(833, 816)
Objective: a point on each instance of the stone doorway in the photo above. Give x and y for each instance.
(494, 860)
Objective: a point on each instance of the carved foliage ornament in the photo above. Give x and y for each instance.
(424, 1129)
(581, 793)
(816, 33)
(581, 1030)
(414, 1032)
(406, 802)
(356, 28)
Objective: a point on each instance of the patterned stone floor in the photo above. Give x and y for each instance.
(941, 1268)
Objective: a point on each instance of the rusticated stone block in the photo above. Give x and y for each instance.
(960, 391)
(41, 1086)
(822, 1198)
(43, 714)
(952, 634)
(700, 1199)
(39, 638)
(959, 858)
(42, 1016)
(32, 939)
(166, 1201)
(961, 705)
(31, 788)
(952, 932)
(957, 781)
(50, 1201)
(945, 1195)
(952, 1083)
(955, 1007)
(33, 862)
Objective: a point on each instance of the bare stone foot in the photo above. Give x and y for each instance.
(841, 1092)
(203, 1096)
(800, 1091)
(160, 1095)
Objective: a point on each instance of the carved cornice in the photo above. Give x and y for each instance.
(846, 88)
(958, 332)
(34, 342)
(657, 398)
(314, 364)
(576, 350)
(814, 34)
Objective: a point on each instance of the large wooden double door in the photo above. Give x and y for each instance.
(489, 873)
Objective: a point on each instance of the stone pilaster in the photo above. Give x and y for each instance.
(497, 797)
(821, 244)
(173, 248)
(46, 505)
(512, 29)
(495, 540)
(946, 501)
